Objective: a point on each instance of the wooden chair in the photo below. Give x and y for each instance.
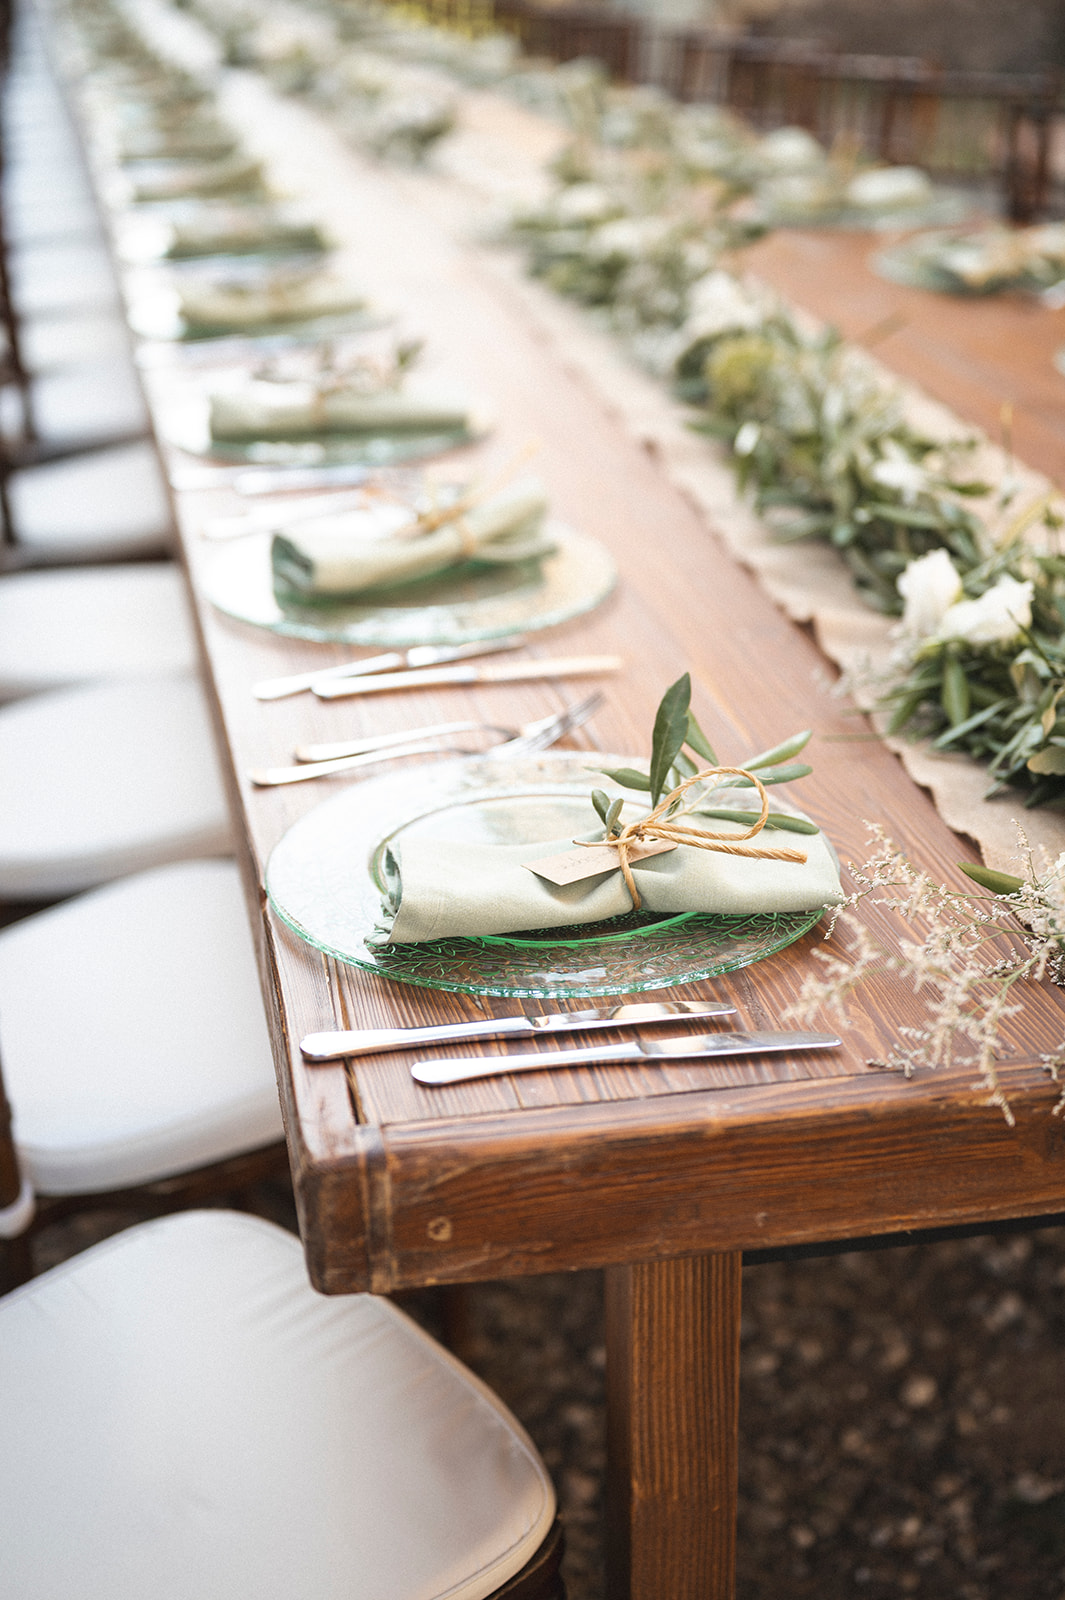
(184, 1416)
(136, 1054)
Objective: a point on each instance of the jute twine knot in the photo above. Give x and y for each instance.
(428, 521)
(657, 826)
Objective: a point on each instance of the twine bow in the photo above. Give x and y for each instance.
(657, 826)
(428, 521)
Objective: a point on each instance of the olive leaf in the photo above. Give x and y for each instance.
(776, 819)
(628, 777)
(669, 734)
(997, 882)
(790, 773)
(780, 752)
(696, 740)
(955, 690)
(601, 802)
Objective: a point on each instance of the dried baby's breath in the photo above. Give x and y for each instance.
(969, 957)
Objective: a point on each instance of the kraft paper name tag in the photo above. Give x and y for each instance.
(573, 865)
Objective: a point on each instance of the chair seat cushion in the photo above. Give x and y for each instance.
(68, 274)
(90, 401)
(59, 341)
(132, 1032)
(110, 502)
(105, 779)
(81, 624)
(184, 1417)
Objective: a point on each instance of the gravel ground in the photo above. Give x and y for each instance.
(902, 1416)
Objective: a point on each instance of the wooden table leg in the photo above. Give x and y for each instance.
(673, 1334)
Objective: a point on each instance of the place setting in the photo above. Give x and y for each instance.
(552, 873)
(410, 557)
(247, 297)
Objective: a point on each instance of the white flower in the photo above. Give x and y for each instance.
(584, 203)
(929, 586)
(899, 471)
(995, 618)
(890, 188)
(790, 150)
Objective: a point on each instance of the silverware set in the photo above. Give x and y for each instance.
(523, 741)
(436, 1071)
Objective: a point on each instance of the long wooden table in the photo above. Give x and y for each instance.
(661, 1175)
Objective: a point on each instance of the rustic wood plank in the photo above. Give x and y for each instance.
(673, 1338)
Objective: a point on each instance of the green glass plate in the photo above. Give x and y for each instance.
(324, 880)
(475, 601)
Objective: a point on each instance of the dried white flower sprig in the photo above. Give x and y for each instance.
(969, 958)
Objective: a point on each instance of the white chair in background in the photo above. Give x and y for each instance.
(110, 504)
(134, 1043)
(106, 779)
(183, 1416)
(84, 624)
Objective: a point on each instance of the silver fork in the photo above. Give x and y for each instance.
(533, 736)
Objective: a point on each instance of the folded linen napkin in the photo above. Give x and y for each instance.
(441, 890)
(385, 545)
(237, 230)
(237, 174)
(201, 140)
(236, 306)
(267, 408)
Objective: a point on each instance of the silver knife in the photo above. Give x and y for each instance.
(433, 677)
(698, 1047)
(526, 1025)
(420, 655)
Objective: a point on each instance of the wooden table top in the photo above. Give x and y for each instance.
(400, 1185)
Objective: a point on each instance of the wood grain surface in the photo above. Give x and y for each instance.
(673, 1335)
(663, 1174)
(400, 1184)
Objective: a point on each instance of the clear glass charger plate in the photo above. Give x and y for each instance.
(324, 881)
(914, 264)
(472, 602)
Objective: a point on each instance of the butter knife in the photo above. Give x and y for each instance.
(705, 1046)
(420, 655)
(525, 1025)
(434, 677)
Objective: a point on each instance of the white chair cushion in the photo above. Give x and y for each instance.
(185, 1419)
(91, 400)
(106, 779)
(80, 624)
(113, 500)
(68, 274)
(132, 1033)
(58, 341)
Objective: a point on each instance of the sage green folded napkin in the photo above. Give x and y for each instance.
(206, 140)
(235, 230)
(238, 174)
(236, 305)
(265, 408)
(384, 546)
(436, 889)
